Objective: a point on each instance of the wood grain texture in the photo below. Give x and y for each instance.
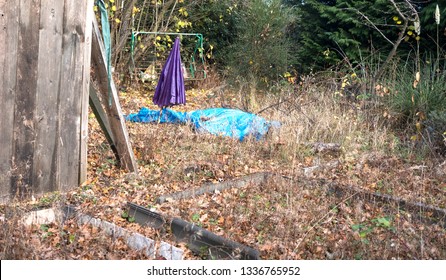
(25, 98)
(8, 75)
(45, 49)
(89, 14)
(46, 167)
(114, 112)
(73, 40)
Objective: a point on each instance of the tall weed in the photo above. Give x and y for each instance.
(415, 94)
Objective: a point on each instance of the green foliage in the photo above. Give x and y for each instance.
(217, 21)
(329, 32)
(420, 105)
(428, 21)
(125, 215)
(372, 226)
(333, 31)
(408, 102)
(436, 130)
(261, 51)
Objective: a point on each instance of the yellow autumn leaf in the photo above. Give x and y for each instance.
(183, 12)
(113, 8)
(117, 20)
(418, 126)
(181, 23)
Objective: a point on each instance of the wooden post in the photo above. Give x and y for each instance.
(102, 118)
(44, 47)
(115, 116)
(25, 98)
(85, 98)
(45, 59)
(9, 32)
(73, 93)
(46, 128)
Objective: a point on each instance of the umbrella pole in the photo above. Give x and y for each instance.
(161, 112)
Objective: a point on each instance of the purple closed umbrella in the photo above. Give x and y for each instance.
(170, 89)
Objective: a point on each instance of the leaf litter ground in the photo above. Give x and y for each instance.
(295, 217)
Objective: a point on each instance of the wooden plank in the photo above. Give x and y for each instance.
(114, 112)
(28, 43)
(102, 118)
(8, 73)
(71, 94)
(3, 37)
(4, 152)
(45, 167)
(86, 89)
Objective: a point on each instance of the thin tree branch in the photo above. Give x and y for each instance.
(372, 24)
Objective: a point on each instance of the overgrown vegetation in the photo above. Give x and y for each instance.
(358, 74)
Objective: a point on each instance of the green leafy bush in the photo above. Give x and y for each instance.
(261, 50)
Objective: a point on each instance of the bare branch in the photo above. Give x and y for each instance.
(411, 15)
(372, 24)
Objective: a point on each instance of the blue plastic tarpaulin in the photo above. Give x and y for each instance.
(218, 121)
(170, 89)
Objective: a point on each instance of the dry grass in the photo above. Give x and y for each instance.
(294, 218)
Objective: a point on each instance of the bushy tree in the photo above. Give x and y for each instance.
(353, 30)
(218, 21)
(261, 50)
(332, 31)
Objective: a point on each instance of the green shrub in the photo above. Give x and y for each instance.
(261, 50)
(435, 132)
(419, 105)
(410, 99)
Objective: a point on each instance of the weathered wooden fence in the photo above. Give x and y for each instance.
(45, 53)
